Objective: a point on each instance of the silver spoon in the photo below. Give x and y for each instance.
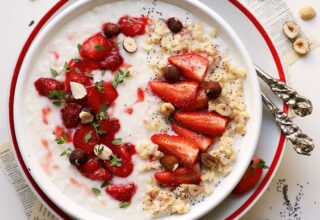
(302, 144)
(300, 105)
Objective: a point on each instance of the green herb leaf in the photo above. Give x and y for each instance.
(89, 75)
(77, 59)
(66, 68)
(67, 153)
(97, 128)
(102, 114)
(99, 47)
(99, 85)
(98, 150)
(62, 139)
(115, 161)
(104, 184)
(78, 70)
(119, 77)
(96, 191)
(31, 23)
(79, 47)
(57, 103)
(103, 72)
(88, 136)
(124, 205)
(117, 141)
(262, 164)
(54, 73)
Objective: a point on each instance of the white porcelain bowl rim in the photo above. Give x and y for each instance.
(75, 210)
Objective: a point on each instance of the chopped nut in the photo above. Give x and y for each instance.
(307, 12)
(129, 44)
(194, 190)
(301, 46)
(208, 160)
(78, 90)
(166, 109)
(169, 162)
(86, 116)
(291, 29)
(102, 151)
(223, 109)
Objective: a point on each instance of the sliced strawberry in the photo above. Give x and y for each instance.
(251, 176)
(185, 149)
(70, 115)
(97, 98)
(121, 192)
(203, 122)
(46, 85)
(125, 166)
(93, 170)
(95, 48)
(202, 141)
(180, 176)
(181, 94)
(130, 148)
(201, 100)
(110, 126)
(131, 26)
(80, 141)
(193, 66)
(79, 73)
(113, 60)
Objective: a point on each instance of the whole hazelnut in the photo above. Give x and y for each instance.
(212, 89)
(169, 162)
(111, 29)
(171, 73)
(174, 25)
(307, 12)
(166, 109)
(78, 157)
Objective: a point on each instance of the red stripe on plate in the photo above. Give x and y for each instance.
(21, 57)
(280, 148)
(23, 52)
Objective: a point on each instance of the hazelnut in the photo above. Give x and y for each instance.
(208, 160)
(129, 44)
(111, 29)
(166, 109)
(223, 109)
(102, 152)
(78, 157)
(169, 162)
(86, 116)
(307, 12)
(78, 90)
(174, 25)
(291, 29)
(212, 89)
(194, 190)
(301, 46)
(171, 73)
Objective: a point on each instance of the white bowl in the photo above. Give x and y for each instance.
(252, 98)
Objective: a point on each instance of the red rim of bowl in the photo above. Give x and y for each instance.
(249, 202)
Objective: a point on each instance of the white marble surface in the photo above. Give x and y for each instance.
(304, 75)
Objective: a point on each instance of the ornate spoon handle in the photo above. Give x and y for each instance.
(300, 105)
(302, 144)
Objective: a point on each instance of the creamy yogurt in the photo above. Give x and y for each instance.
(61, 48)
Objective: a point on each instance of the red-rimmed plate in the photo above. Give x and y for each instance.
(235, 206)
